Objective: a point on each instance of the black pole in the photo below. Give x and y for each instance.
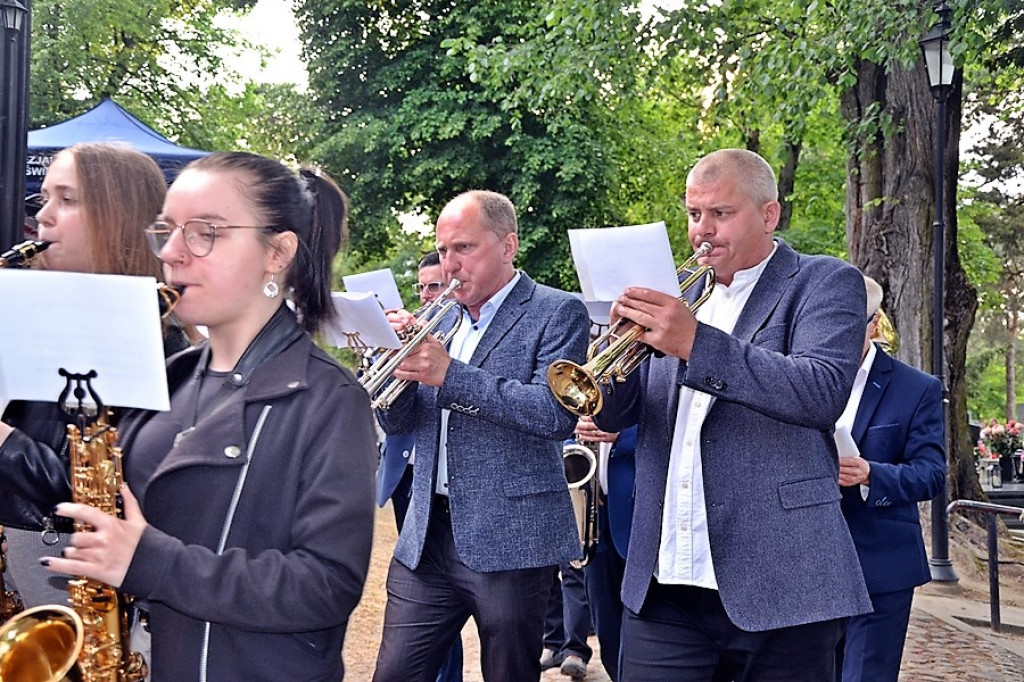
(939, 562)
(13, 129)
(993, 574)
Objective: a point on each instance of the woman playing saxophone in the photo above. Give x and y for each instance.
(248, 509)
(97, 199)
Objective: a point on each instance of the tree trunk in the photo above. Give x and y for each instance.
(787, 178)
(889, 230)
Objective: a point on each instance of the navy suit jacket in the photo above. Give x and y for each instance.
(621, 488)
(510, 506)
(394, 457)
(899, 428)
(781, 550)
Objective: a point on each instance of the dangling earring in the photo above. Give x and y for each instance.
(270, 289)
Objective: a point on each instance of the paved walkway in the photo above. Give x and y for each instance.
(948, 640)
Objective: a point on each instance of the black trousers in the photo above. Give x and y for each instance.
(682, 634)
(427, 608)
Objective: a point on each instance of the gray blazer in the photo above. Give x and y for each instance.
(509, 501)
(781, 549)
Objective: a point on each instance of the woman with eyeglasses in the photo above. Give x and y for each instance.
(96, 200)
(248, 506)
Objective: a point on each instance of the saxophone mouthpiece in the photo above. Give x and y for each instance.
(168, 297)
(22, 253)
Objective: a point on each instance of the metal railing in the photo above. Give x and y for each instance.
(991, 510)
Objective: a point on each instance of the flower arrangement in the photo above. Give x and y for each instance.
(1001, 439)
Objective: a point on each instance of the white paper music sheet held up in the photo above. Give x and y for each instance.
(379, 282)
(609, 259)
(81, 322)
(361, 321)
(845, 443)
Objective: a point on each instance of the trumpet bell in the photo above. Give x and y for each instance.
(40, 644)
(575, 388)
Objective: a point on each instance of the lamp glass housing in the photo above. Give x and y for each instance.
(13, 14)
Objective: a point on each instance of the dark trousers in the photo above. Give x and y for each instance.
(604, 585)
(567, 622)
(428, 606)
(872, 648)
(682, 634)
(451, 669)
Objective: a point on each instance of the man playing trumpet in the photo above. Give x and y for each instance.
(740, 564)
(490, 512)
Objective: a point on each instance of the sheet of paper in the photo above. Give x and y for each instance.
(80, 322)
(379, 282)
(361, 322)
(609, 259)
(845, 444)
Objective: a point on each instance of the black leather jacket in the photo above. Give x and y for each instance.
(34, 461)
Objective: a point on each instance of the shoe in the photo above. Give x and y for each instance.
(549, 659)
(574, 667)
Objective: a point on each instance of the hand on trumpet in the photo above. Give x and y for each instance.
(588, 432)
(428, 362)
(671, 326)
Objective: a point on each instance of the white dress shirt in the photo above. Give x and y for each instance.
(684, 556)
(463, 344)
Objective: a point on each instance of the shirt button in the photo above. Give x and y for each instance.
(686, 485)
(232, 451)
(293, 384)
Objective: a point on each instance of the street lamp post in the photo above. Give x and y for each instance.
(14, 19)
(935, 46)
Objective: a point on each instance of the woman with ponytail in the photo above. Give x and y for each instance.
(249, 505)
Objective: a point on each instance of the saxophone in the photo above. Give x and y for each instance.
(10, 601)
(96, 478)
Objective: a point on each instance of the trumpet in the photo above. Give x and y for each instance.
(21, 254)
(580, 462)
(378, 379)
(578, 387)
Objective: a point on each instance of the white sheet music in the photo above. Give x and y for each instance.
(379, 282)
(361, 323)
(81, 322)
(609, 259)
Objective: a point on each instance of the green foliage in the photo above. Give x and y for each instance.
(410, 126)
(166, 63)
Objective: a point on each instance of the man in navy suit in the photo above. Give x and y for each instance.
(740, 563)
(490, 514)
(895, 417)
(394, 474)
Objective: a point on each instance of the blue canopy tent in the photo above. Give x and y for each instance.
(106, 122)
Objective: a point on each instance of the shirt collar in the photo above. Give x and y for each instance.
(746, 278)
(488, 309)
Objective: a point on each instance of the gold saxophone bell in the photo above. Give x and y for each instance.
(41, 644)
(578, 387)
(580, 462)
(378, 379)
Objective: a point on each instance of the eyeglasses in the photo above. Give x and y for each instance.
(199, 234)
(431, 287)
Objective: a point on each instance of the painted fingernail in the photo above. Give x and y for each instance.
(44, 562)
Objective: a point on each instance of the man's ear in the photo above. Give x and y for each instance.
(510, 246)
